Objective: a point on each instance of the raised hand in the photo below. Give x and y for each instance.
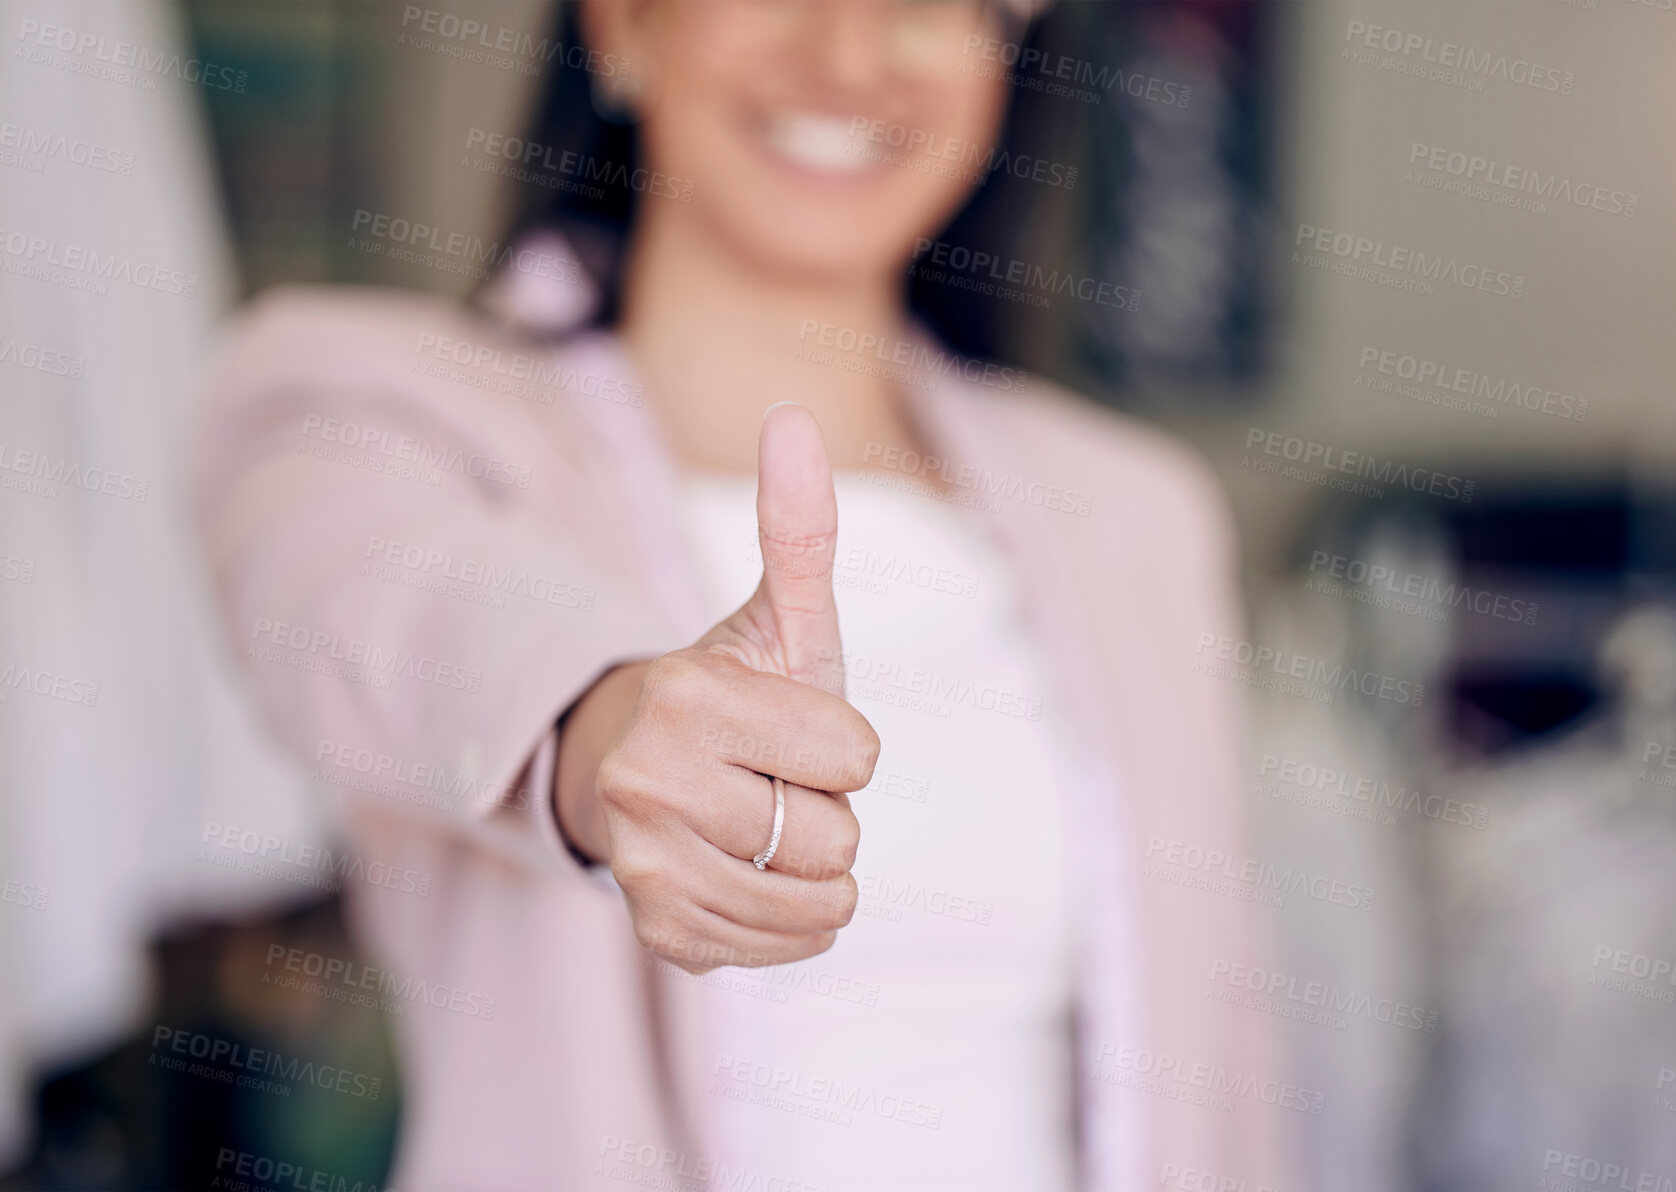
(682, 793)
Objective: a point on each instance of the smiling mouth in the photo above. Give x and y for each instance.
(819, 143)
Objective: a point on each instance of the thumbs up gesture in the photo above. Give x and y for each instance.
(685, 795)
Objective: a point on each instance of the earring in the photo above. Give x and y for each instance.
(616, 95)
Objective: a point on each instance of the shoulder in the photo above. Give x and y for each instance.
(324, 329)
(368, 346)
(1139, 484)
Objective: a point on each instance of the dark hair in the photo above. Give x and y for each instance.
(596, 219)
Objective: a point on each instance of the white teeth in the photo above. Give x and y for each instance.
(815, 142)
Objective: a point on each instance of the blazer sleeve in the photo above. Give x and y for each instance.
(412, 570)
(1195, 759)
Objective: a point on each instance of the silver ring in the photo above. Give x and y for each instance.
(762, 859)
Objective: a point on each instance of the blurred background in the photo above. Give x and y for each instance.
(1437, 236)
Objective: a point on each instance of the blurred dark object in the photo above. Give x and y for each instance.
(308, 140)
(1567, 552)
(121, 1122)
(1180, 182)
(1530, 580)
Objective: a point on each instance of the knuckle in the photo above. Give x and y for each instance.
(624, 782)
(863, 752)
(848, 843)
(649, 934)
(795, 948)
(842, 901)
(835, 855)
(825, 861)
(613, 781)
(674, 683)
(811, 867)
(660, 935)
(635, 871)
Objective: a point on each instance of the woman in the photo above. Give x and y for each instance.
(732, 928)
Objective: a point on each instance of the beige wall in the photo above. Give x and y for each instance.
(1595, 319)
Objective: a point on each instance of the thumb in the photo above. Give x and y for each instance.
(797, 526)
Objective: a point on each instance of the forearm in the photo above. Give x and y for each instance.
(585, 735)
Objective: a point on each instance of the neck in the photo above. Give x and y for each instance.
(717, 340)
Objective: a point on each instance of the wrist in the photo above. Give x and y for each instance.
(587, 730)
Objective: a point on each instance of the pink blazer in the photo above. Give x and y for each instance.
(429, 537)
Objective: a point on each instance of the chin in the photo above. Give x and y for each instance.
(813, 245)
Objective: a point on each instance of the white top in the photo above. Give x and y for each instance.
(931, 1047)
